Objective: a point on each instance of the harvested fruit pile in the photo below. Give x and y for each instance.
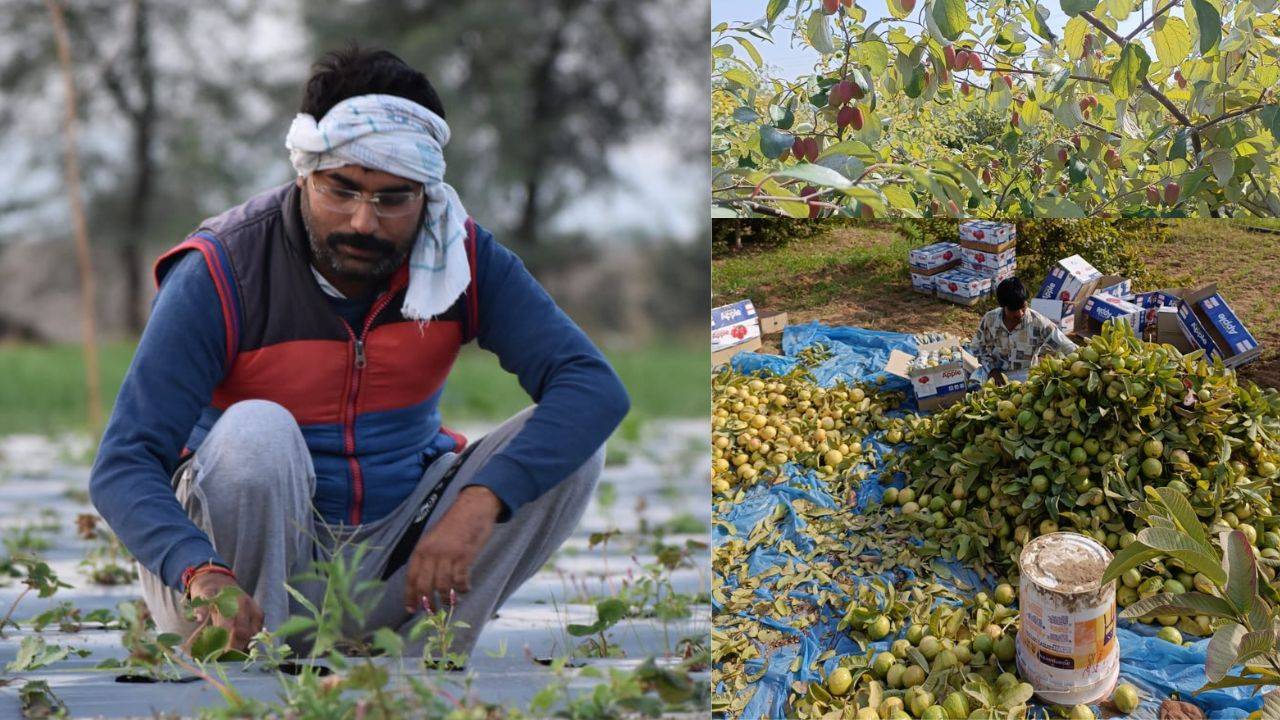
(760, 424)
(823, 602)
(1083, 437)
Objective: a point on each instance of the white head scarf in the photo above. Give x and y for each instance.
(400, 137)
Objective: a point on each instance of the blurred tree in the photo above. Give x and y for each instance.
(537, 95)
(170, 78)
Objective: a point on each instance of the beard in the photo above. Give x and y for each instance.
(384, 258)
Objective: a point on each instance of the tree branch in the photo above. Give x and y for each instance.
(1229, 115)
(1148, 21)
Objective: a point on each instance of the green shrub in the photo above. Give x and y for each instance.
(760, 233)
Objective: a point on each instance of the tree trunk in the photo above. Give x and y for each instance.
(541, 77)
(143, 121)
(84, 258)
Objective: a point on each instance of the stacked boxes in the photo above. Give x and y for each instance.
(989, 249)
(929, 261)
(962, 287)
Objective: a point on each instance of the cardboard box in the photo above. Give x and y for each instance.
(961, 283)
(987, 232)
(1080, 323)
(922, 283)
(772, 322)
(996, 276)
(1009, 244)
(985, 260)
(1216, 328)
(1157, 299)
(1100, 307)
(1122, 289)
(722, 357)
(937, 270)
(1168, 330)
(1195, 330)
(734, 328)
(934, 258)
(1068, 279)
(1237, 341)
(1058, 312)
(938, 386)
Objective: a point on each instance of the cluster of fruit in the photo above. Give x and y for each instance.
(932, 337)
(759, 424)
(1084, 437)
(934, 358)
(950, 661)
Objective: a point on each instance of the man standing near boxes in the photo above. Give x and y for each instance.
(1012, 337)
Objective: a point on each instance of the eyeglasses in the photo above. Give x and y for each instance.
(347, 202)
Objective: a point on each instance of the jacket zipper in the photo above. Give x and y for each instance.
(349, 414)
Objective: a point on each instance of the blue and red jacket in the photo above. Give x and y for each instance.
(239, 316)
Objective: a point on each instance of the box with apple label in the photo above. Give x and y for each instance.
(961, 286)
(1101, 307)
(734, 328)
(939, 374)
(1238, 344)
(935, 258)
(987, 234)
(922, 283)
(986, 260)
(1067, 279)
(1195, 330)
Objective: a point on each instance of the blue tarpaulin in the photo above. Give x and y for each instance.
(1158, 668)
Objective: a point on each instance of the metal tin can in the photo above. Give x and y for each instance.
(1067, 646)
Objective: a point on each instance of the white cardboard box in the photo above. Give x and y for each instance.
(1068, 278)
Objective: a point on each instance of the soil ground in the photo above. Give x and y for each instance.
(859, 276)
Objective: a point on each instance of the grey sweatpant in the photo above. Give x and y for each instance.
(249, 487)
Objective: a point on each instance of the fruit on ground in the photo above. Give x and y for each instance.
(839, 681)
(1126, 698)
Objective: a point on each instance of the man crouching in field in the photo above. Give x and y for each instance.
(283, 403)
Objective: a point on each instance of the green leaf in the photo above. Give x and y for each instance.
(751, 50)
(1271, 119)
(1058, 207)
(388, 641)
(295, 625)
(1038, 19)
(1185, 549)
(1223, 165)
(773, 142)
(1209, 22)
(745, 115)
(818, 175)
(782, 116)
(1221, 653)
(584, 630)
(896, 9)
(1075, 7)
(951, 17)
(1073, 36)
(1130, 71)
(34, 654)
(1242, 571)
(1188, 603)
(209, 643)
(914, 85)
(1178, 506)
(741, 76)
(818, 30)
(1172, 40)
(611, 610)
(775, 9)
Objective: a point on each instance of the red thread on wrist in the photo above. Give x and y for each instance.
(195, 571)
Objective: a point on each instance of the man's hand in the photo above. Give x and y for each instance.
(247, 621)
(441, 561)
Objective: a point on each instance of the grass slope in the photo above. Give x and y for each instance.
(859, 276)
